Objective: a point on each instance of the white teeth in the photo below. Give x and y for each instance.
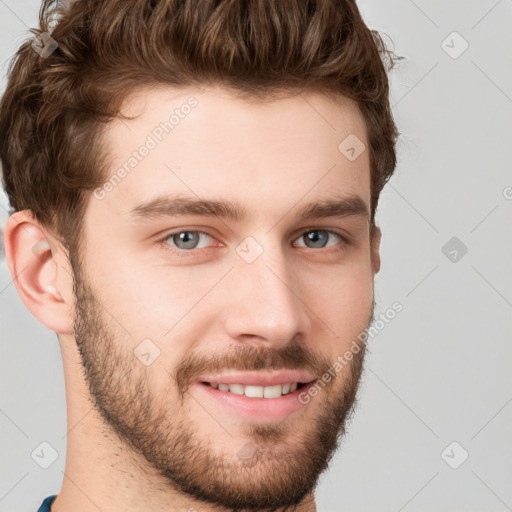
(254, 391)
(258, 391)
(272, 391)
(237, 389)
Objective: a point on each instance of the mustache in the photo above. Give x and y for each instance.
(293, 356)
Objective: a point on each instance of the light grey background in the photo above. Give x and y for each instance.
(440, 371)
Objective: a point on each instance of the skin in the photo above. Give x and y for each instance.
(134, 442)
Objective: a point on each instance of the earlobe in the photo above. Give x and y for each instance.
(37, 268)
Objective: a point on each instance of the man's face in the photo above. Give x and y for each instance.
(168, 303)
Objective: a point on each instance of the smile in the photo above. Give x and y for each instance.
(258, 391)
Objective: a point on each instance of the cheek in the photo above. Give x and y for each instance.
(147, 296)
(343, 300)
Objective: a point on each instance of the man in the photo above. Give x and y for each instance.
(194, 187)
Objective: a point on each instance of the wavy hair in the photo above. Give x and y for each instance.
(70, 79)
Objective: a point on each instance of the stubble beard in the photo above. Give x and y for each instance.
(287, 457)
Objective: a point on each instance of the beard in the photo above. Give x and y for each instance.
(279, 463)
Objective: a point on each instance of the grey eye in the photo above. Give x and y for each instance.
(318, 238)
(186, 239)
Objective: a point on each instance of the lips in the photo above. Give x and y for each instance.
(251, 407)
(258, 378)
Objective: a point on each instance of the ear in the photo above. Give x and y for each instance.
(40, 271)
(375, 237)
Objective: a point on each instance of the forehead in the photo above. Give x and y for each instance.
(208, 143)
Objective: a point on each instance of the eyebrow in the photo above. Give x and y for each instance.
(169, 206)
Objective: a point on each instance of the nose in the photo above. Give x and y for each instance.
(265, 307)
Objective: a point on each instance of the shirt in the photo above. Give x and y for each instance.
(45, 506)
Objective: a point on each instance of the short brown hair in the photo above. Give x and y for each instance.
(54, 106)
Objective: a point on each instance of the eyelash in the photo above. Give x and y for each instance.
(189, 252)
